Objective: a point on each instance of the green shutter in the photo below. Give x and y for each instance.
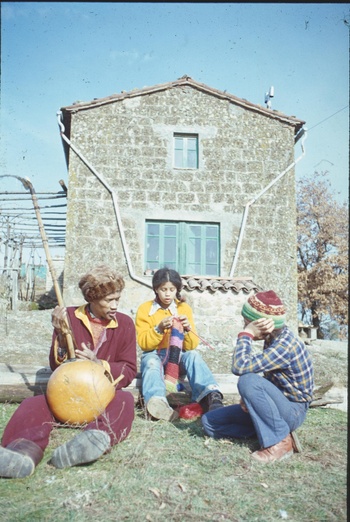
(189, 248)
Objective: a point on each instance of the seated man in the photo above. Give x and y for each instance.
(274, 404)
(102, 335)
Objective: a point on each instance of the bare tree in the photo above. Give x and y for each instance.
(323, 236)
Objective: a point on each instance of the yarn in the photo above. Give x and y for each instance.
(190, 411)
(172, 369)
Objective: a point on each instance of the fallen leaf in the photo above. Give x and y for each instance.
(155, 492)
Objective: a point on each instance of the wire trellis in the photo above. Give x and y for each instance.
(21, 245)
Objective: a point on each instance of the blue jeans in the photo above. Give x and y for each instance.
(271, 415)
(192, 365)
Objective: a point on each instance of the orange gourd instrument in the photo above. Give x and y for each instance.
(79, 391)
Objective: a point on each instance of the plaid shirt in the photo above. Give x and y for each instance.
(284, 361)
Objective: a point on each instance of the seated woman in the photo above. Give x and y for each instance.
(166, 334)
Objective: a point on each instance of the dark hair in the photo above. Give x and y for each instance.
(165, 275)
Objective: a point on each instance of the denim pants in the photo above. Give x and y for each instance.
(271, 415)
(192, 365)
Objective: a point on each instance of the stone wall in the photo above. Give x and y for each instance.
(129, 144)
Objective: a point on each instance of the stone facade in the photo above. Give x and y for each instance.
(120, 158)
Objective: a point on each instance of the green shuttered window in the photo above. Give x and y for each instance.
(189, 248)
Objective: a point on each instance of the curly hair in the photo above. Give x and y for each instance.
(164, 275)
(100, 282)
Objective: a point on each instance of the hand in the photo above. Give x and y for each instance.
(185, 322)
(59, 319)
(165, 323)
(87, 354)
(260, 328)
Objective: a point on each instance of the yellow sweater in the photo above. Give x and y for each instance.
(148, 339)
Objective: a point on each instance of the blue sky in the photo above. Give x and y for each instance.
(56, 53)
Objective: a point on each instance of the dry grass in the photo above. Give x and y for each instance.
(171, 472)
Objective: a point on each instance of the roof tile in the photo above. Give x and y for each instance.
(213, 284)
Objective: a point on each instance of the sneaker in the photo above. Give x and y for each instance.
(86, 447)
(212, 401)
(159, 409)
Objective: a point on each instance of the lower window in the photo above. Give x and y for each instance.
(189, 248)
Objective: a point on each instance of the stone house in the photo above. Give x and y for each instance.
(165, 175)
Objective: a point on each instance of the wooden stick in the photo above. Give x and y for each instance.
(118, 379)
(69, 336)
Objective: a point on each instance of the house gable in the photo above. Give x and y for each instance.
(128, 139)
(183, 82)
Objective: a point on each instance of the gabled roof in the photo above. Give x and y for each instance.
(181, 82)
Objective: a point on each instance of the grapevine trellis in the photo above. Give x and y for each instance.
(21, 248)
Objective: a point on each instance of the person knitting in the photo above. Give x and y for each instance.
(275, 404)
(166, 334)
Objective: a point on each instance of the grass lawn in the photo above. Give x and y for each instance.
(171, 472)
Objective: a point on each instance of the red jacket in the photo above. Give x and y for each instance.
(119, 348)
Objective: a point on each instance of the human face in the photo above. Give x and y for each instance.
(105, 308)
(166, 294)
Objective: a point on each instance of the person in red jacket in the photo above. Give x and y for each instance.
(101, 335)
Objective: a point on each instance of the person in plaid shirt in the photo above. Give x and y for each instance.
(275, 385)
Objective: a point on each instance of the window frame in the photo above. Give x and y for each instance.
(183, 250)
(185, 137)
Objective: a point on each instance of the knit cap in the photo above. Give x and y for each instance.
(265, 304)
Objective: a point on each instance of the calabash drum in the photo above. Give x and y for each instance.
(78, 391)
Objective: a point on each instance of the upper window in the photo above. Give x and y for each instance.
(186, 151)
(189, 248)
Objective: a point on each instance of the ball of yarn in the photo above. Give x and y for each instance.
(190, 411)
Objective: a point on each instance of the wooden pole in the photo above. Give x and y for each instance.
(28, 185)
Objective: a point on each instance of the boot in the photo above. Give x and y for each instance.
(19, 458)
(87, 446)
(280, 451)
(212, 401)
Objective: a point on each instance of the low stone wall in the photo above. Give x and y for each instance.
(26, 338)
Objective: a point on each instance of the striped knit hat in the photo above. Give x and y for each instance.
(265, 304)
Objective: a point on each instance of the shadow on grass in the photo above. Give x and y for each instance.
(193, 427)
